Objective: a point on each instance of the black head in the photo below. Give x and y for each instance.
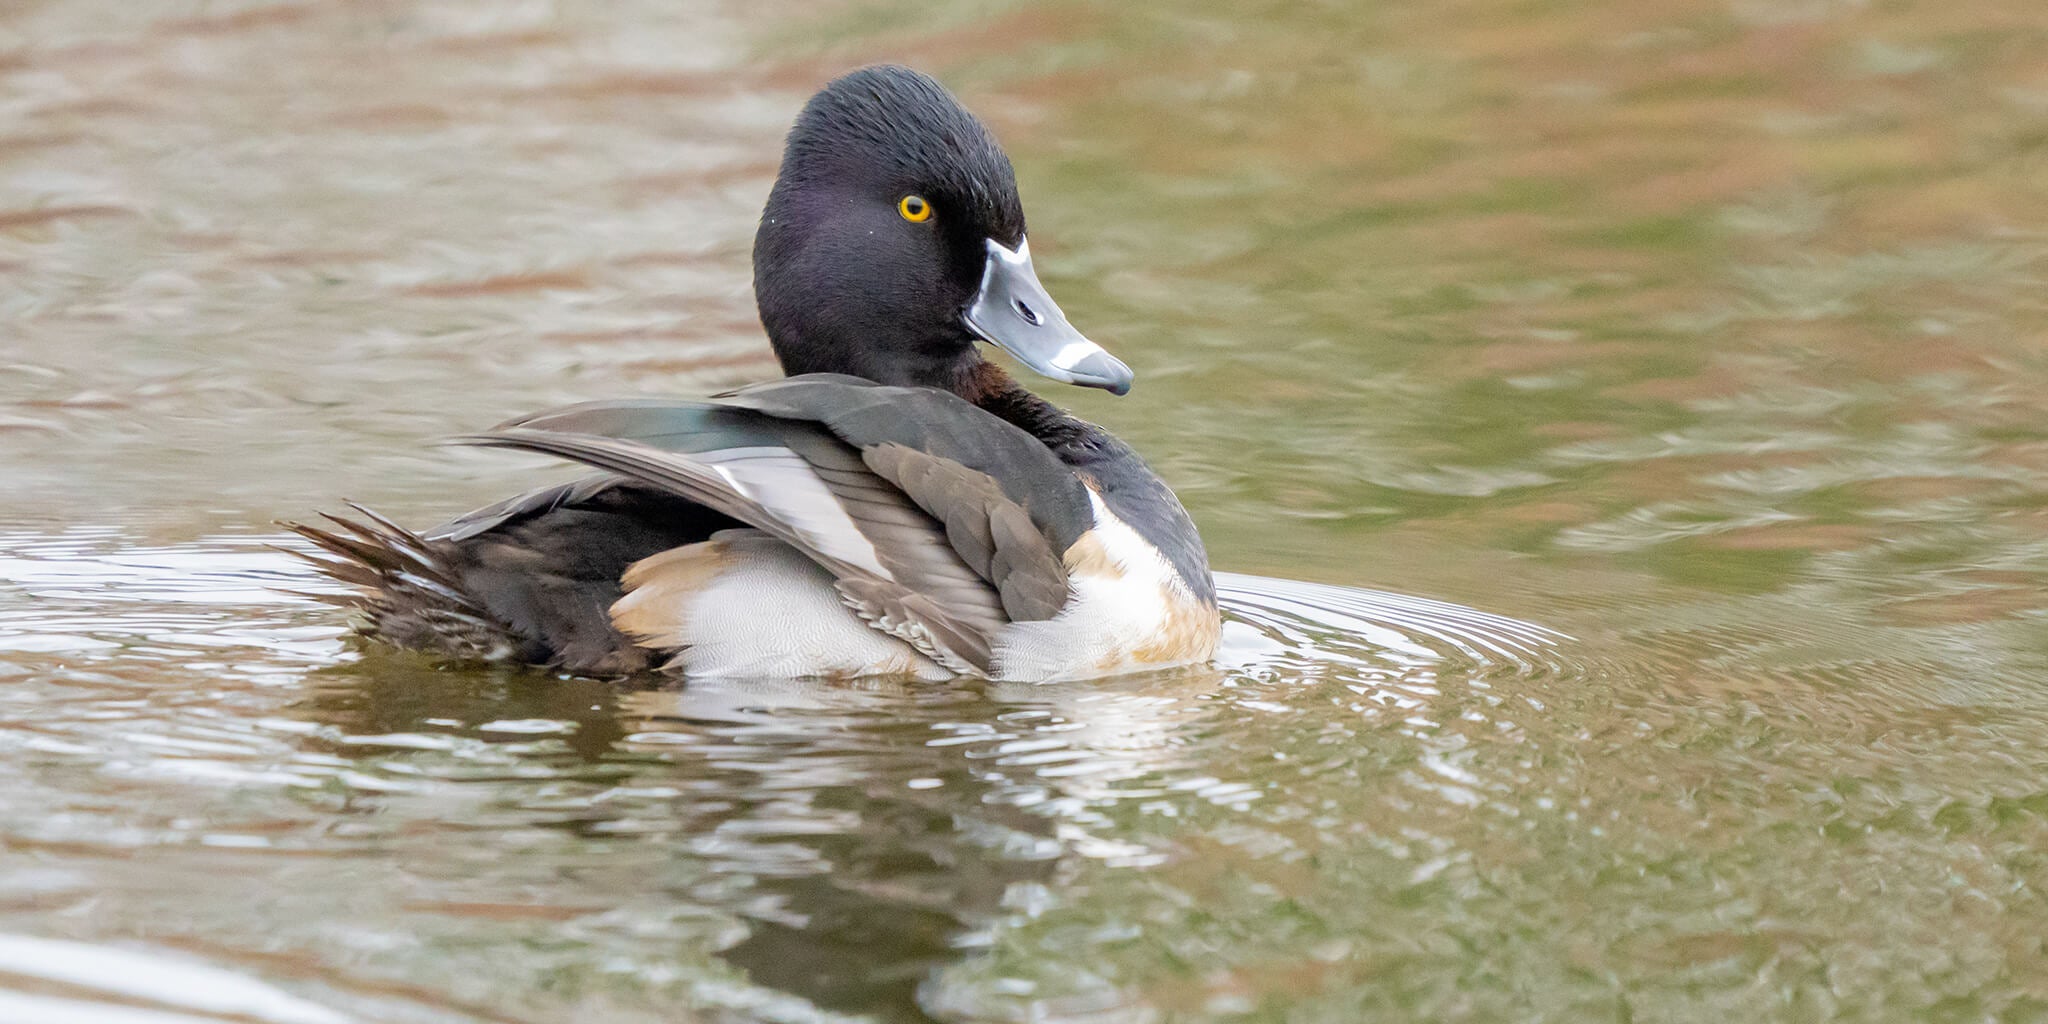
(894, 238)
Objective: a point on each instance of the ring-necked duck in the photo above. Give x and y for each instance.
(897, 505)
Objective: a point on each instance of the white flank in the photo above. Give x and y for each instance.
(1109, 617)
(765, 610)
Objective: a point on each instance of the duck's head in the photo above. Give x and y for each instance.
(894, 240)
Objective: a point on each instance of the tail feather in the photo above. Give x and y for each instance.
(390, 549)
(405, 593)
(530, 579)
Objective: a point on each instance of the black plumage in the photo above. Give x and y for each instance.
(836, 269)
(941, 498)
(530, 579)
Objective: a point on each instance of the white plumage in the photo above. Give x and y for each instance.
(745, 604)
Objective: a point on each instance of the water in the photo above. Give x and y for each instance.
(1699, 345)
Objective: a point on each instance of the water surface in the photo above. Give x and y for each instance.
(1700, 345)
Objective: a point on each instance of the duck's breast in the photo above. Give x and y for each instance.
(1129, 610)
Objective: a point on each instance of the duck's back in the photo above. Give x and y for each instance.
(818, 525)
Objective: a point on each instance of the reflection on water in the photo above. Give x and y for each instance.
(841, 842)
(1708, 335)
(165, 987)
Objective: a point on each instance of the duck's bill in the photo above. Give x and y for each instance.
(1013, 311)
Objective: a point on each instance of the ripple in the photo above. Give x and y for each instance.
(129, 986)
(1317, 620)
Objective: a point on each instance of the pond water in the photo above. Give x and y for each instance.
(1698, 347)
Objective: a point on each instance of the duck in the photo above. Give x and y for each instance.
(896, 505)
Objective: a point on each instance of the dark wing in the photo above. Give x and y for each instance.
(991, 533)
(925, 546)
(942, 425)
(530, 579)
(600, 491)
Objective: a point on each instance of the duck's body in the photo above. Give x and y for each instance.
(899, 506)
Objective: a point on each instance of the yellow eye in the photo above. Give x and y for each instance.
(914, 209)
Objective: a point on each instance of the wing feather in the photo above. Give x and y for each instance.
(911, 583)
(940, 521)
(991, 533)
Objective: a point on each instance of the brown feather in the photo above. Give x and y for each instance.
(660, 590)
(991, 533)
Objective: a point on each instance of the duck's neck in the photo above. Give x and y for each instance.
(1113, 473)
(990, 387)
